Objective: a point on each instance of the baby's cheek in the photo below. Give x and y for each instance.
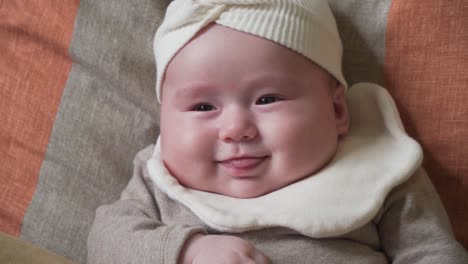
(185, 155)
(287, 130)
(300, 138)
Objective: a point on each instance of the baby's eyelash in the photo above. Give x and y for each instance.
(203, 108)
(268, 99)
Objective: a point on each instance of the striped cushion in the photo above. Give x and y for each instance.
(77, 101)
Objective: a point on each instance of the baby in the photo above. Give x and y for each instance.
(257, 161)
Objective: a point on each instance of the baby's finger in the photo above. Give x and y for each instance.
(260, 258)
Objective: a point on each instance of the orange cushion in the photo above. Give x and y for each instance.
(426, 66)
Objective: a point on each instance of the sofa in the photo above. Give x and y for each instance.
(77, 102)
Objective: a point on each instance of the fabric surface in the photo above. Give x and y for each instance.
(147, 226)
(14, 250)
(426, 70)
(34, 67)
(77, 101)
(362, 25)
(108, 112)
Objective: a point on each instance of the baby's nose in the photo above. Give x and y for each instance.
(238, 126)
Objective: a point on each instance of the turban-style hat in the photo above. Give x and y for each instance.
(305, 26)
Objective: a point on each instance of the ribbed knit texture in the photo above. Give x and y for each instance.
(305, 26)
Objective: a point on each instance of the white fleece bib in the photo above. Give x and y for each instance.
(373, 158)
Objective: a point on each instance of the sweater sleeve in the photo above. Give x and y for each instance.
(414, 227)
(130, 230)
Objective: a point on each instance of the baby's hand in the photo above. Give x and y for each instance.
(207, 249)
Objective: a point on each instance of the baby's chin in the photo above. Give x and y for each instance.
(247, 194)
(245, 187)
(247, 191)
(250, 191)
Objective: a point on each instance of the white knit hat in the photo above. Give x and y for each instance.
(305, 26)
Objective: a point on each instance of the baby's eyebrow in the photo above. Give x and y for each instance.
(193, 90)
(273, 78)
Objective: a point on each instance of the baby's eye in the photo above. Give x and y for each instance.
(203, 108)
(267, 100)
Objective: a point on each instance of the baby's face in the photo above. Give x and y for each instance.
(243, 116)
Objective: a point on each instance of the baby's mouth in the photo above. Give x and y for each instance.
(240, 166)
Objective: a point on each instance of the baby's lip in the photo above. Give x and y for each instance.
(240, 165)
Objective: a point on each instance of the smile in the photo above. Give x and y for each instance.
(239, 167)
